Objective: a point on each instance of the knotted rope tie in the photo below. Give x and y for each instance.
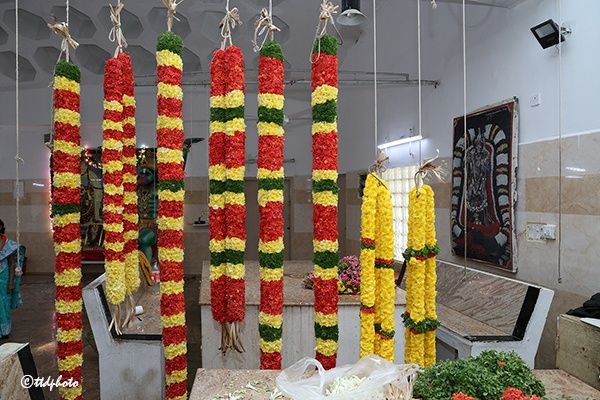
(263, 26)
(116, 33)
(171, 11)
(433, 4)
(228, 24)
(328, 9)
(430, 168)
(62, 30)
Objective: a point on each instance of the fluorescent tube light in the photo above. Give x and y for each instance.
(400, 141)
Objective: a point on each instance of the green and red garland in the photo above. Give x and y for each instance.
(130, 198)
(227, 208)
(325, 197)
(112, 175)
(270, 202)
(171, 193)
(66, 185)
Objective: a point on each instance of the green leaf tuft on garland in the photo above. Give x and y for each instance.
(272, 49)
(67, 70)
(329, 45)
(170, 41)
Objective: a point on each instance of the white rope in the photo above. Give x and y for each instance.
(18, 159)
(419, 79)
(464, 49)
(560, 159)
(375, 91)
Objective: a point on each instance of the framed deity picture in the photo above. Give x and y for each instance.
(484, 185)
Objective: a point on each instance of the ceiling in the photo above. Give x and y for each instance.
(142, 20)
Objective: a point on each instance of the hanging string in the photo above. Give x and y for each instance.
(375, 89)
(560, 159)
(18, 159)
(264, 27)
(116, 33)
(328, 10)
(171, 6)
(62, 30)
(420, 85)
(465, 172)
(229, 22)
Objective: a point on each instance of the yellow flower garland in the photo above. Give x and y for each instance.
(377, 273)
(421, 317)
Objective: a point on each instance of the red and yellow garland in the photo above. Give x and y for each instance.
(130, 198)
(66, 184)
(325, 197)
(227, 208)
(112, 175)
(270, 202)
(420, 318)
(377, 271)
(171, 193)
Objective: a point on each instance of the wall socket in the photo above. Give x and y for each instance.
(540, 232)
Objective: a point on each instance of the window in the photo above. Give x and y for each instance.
(401, 180)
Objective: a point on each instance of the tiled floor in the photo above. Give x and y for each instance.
(34, 323)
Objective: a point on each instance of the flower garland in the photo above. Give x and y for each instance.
(270, 201)
(227, 215)
(420, 318)
(112, 175)
(171, 193)
(384, 265)
(378, 288)
(325, 197)
(235, 168)
(130, 197)
(217, 178)
(367, 261)
(66, 183)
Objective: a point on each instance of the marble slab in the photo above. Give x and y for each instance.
(489, 299)
(224, 384)
(147, 323)
(294, 292)
(11, 373)
(220, 384)
(560, 385)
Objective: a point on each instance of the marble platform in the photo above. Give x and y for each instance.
(11, 373)
(298, 328)
(220, 384)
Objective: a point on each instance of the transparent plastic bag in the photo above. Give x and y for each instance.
(383, 380)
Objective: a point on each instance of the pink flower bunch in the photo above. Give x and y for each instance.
(348, 276)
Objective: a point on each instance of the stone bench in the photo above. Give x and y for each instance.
(480, 311)
(298, 327)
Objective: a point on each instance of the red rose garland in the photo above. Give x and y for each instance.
(270, 202)
(66, 185)
(325, 197)
(171, 193)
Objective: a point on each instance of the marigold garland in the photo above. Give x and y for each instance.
(420, 318)
(112, 175)
(66, 184)
(378, 289)
(171, 193)
(325, 197)
(270, 200)
(227, 208)
(130, 197)
(235, 165)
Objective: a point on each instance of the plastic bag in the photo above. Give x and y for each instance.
(381, 378)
